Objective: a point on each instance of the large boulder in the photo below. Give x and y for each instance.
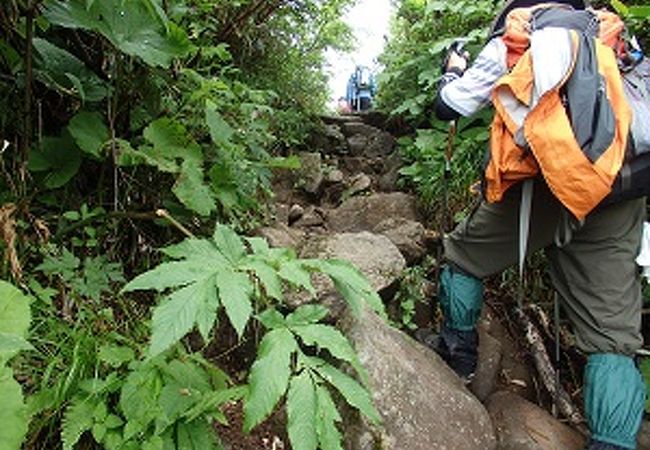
(364, 213)
(407, 235)
(522, 425)
(422, 403)
(373, 254)
(310, 175)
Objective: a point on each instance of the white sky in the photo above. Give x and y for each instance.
(369, 20)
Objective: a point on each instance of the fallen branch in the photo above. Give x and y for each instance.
(547, 373)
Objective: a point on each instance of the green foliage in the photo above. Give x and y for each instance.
(87, 279)
(230, 274)
(644, 367)
(283, 367)
(15, 317)
(220, 273)
(421, 32)
(136, 27)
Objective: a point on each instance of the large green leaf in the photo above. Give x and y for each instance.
(59, 156)
(139, 398)
(132, 26)
(267, 275)
(15, 317)
(328, 416)
(220, 131)
(229, 243)
(301, 412)
(351, 390)
(13, 413)
(191, 190)
(235, 290)
(328, 337)
(60, 70)
(172, 145)
(196, 435)
(170, 274)
(176, 316)
(89, 132)
(269, 376)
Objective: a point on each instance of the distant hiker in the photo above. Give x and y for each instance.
(572, 159)
(361, 89)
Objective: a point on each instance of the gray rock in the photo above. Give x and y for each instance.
(423, 404)
(522, 425)
(357, 144)
(312, 217)
(374, 255)
(364, 213)
(360, 129)
(356, 164)
(295, 212)
(488, 368)
(334, 177)
(358, 184)
(335, 140)
(407, 235)
(390, 174)
(281, 236)
(311, 172)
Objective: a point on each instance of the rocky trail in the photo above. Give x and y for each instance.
(344, 203)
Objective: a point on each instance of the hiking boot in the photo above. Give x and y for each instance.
(600, 445)
(459, 349)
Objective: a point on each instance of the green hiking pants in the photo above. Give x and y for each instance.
(595, 273)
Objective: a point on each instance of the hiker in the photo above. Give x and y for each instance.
(360, 89)
(591, 248)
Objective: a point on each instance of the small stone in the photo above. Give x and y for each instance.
(295, 212)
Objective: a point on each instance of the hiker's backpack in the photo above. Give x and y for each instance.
(633, 179)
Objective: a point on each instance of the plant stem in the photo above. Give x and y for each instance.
(165, 214)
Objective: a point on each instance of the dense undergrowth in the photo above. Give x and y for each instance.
(127, 125)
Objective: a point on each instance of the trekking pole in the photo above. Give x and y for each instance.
(446, 175)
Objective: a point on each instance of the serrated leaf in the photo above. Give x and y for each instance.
(269, 376)
(78, 418)
(307, 314)
(196, 435)
(235, 291)
(294, 272)
(89, 132)
(13, 414)
(259, 245)
(351, 390)
(267, 275)
(191, 190)
(327, 416)
(301, 412)
(220, 131)
(272, 319)
(351, 284)
(213, 400)
(115, 355)
(328, 337)
(229, 243)
(171, 274)
(196, 249)
(139, 399)
(176, 316)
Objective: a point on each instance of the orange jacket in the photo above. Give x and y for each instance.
(577, 182)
